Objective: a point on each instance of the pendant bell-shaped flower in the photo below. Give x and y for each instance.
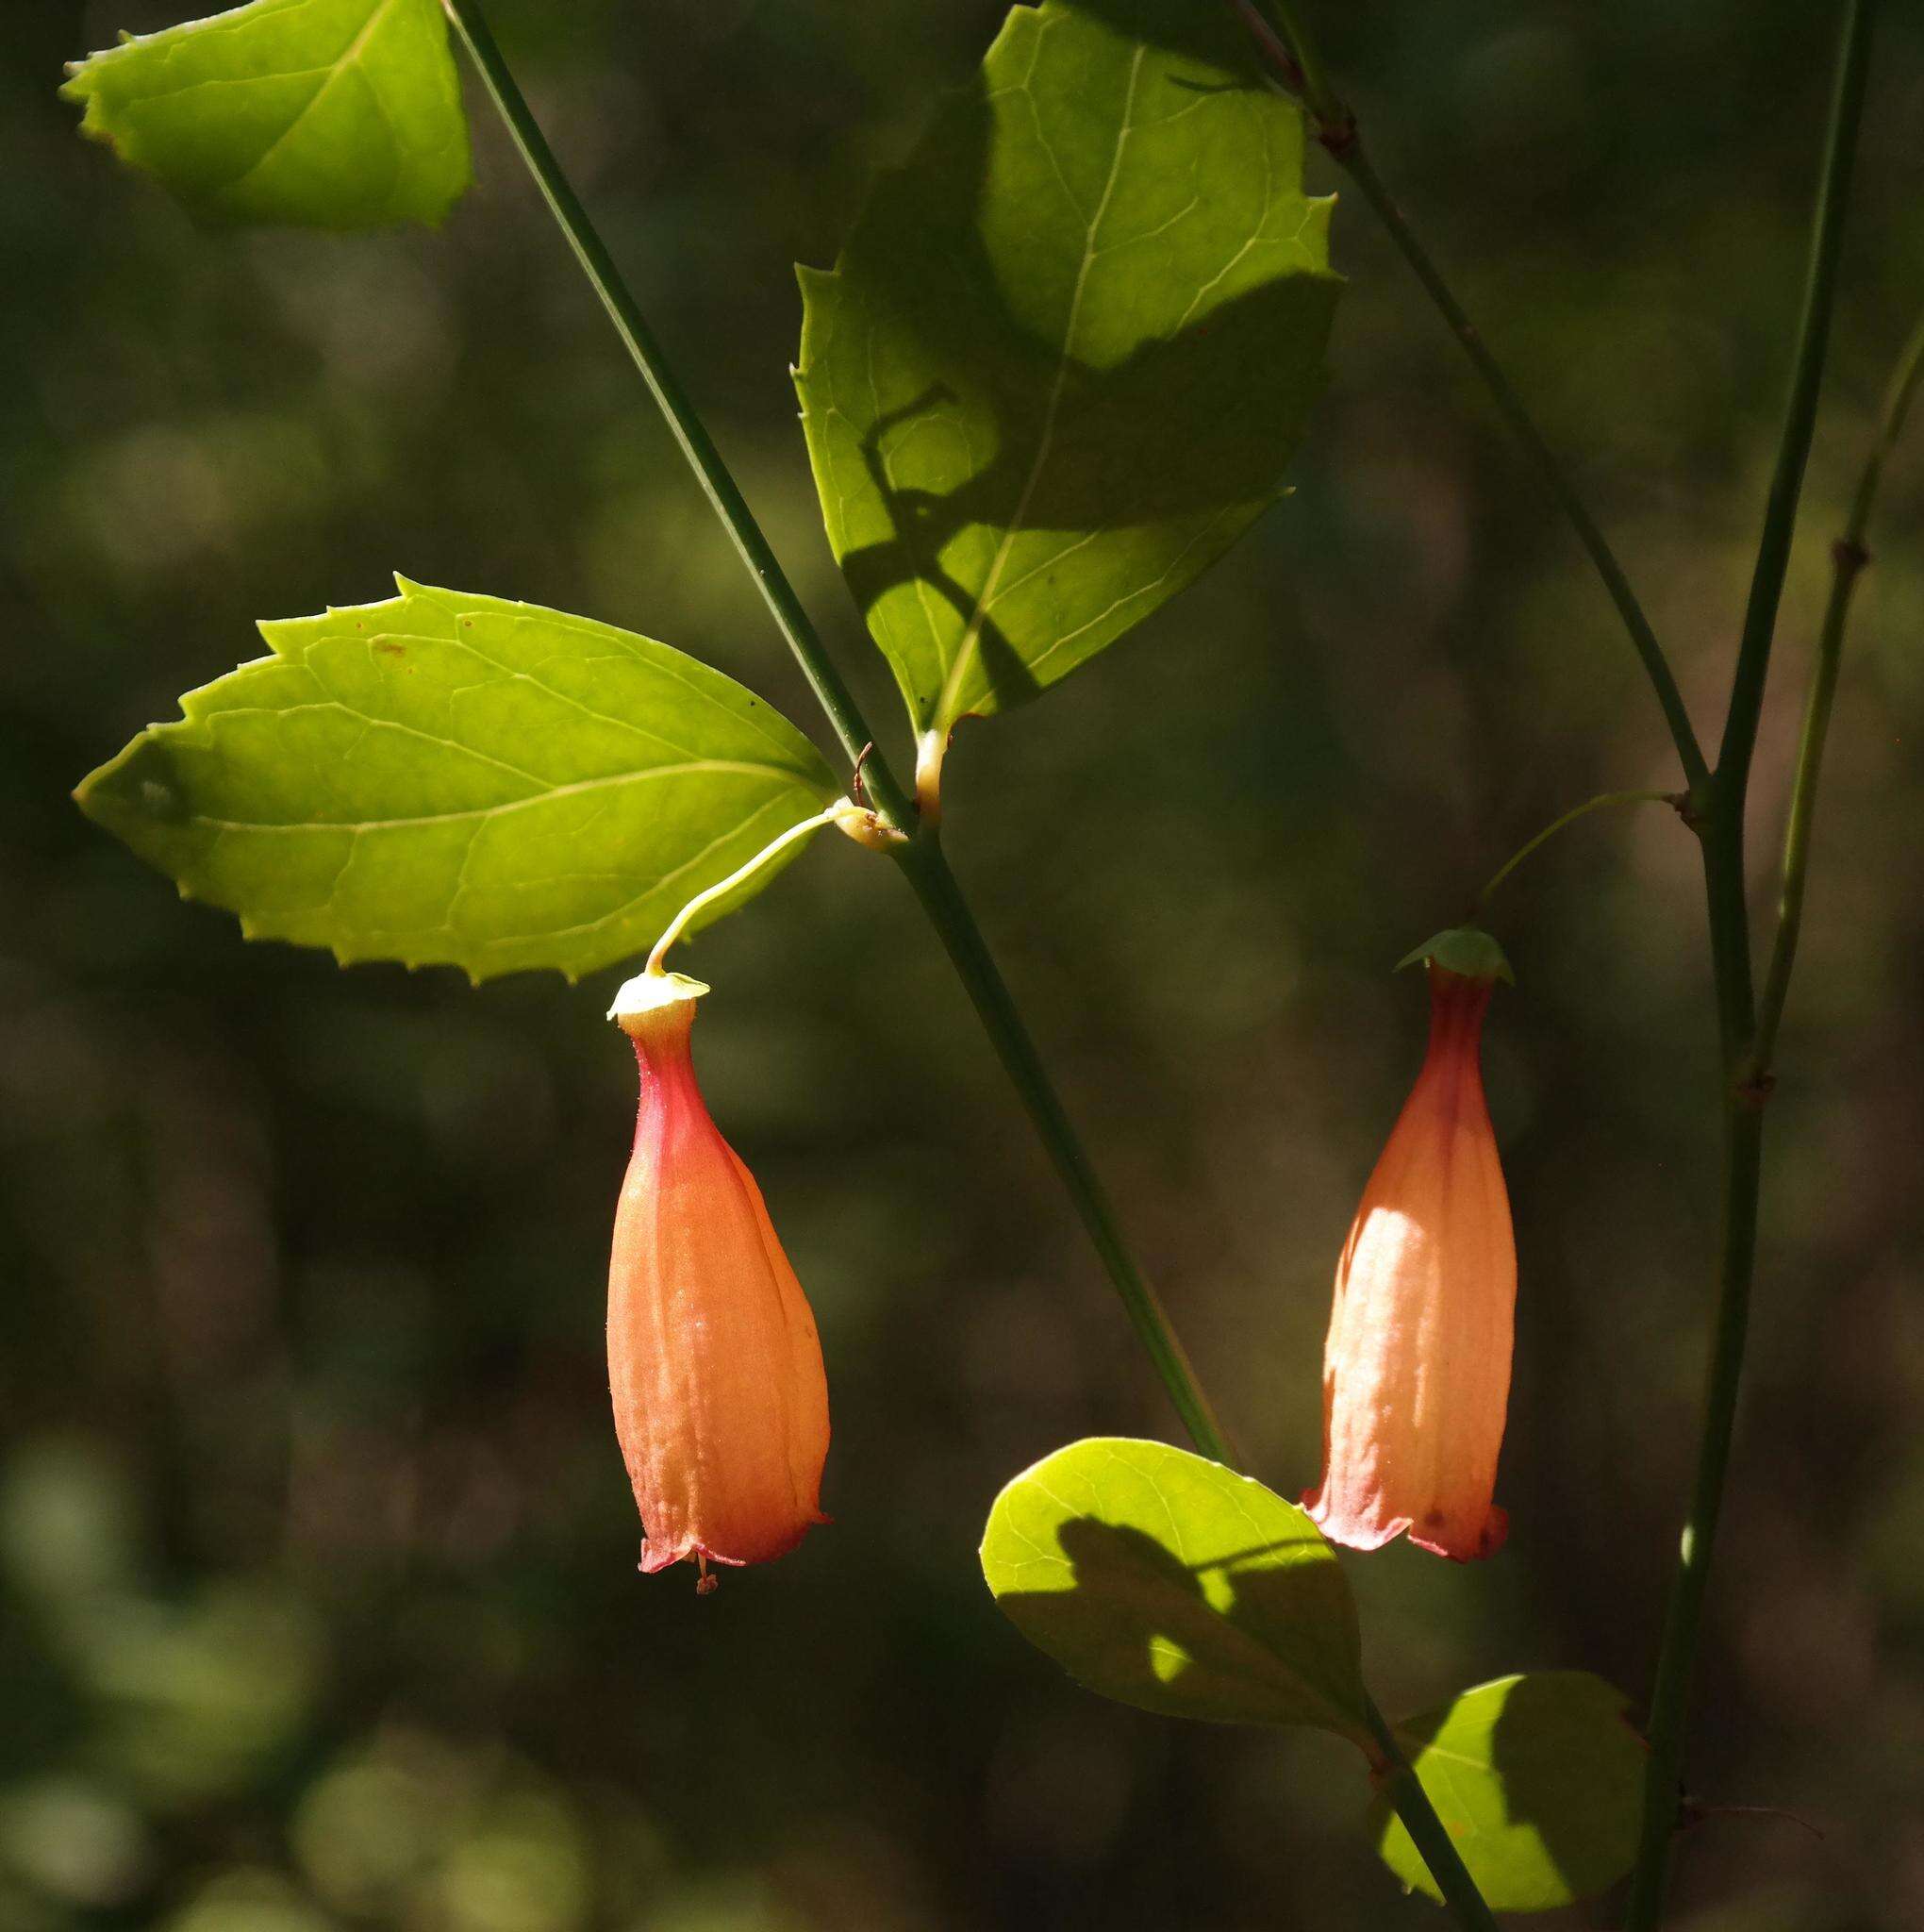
(1416, 1367)
(721, 1402)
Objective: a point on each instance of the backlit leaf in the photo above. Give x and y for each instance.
(1167, 1581)
(446, 778)
(1539, 1780)
(325, 113)
(1068, 349)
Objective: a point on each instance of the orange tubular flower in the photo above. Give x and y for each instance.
(1417, 1368)
(720, 1403)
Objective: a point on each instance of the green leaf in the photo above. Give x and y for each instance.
(1164, 1580)
(1539, 1781)
(450, 780)
(1068, 349)
(326, 113)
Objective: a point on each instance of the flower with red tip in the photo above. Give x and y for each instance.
(1416, 1367)
(720, 1403)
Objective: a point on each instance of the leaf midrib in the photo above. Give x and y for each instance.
(944, 718)
(348, 59)
(466, 814)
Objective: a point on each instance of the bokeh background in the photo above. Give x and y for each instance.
(318, 1606)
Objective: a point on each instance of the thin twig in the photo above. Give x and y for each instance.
(1801, 408)
(1294, 65)
(1849, 556)
(1556, 825)
(1723, 865)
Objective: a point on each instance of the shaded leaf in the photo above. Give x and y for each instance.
(1068, 349)
(1539, 1780)
(1164, 1580)
(325, 113)
(446, 778)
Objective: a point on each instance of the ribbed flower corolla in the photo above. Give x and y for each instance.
(1416, 1367)
(720, 1403)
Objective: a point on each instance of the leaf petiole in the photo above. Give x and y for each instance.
(828, 815)
(1677, 799)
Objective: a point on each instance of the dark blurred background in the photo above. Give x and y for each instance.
(318, 1605)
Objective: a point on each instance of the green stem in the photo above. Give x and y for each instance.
(1683, 1612)
(1723, 857)
(926, 867)
(1847, 565)
(934, 885)
(1337, 130)
(1294, 57)
(1848, 557)
(1801, 409)
(691, 433)
(1905, 380)
(1396, 1779)
(1356, 163)
(1556, 825)
(921, 856)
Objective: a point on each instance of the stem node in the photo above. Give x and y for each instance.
(1339, 137)
(1755, 1088)
(1695, 807)
(867, 827)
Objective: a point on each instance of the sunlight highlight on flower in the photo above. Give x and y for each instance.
(721, 1402)
(1416, 1367)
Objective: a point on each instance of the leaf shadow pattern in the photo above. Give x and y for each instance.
(1044, 390)
(923, 522)
(1137, 1624)
(1584, 1803)
(1539, 1780)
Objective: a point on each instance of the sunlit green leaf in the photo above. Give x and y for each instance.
(446, 778)
(1167, 1581)
(1065, 354)
(328, 113)
(1539, 1781)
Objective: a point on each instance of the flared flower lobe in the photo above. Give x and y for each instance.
(1417, 1368)
(721, 1402)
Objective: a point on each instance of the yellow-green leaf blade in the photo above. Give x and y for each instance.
(323, 113)
(444, 778)
(1538, 1780)
(1167, 1581)
(1068, 349)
